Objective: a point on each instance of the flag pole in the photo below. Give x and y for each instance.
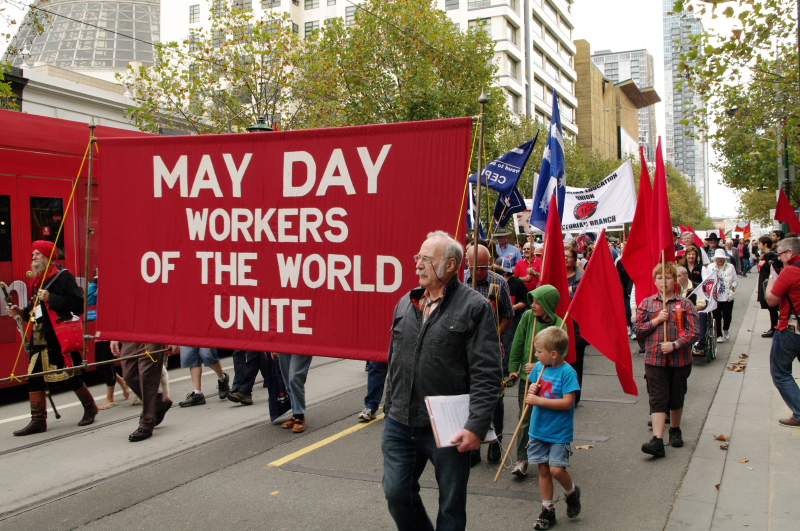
(664, 288)
(519, 424)
(482, 100)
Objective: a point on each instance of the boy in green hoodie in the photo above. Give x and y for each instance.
(543, 301)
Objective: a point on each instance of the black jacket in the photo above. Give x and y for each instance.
(66, 299)
(456, 352)
(770, 258)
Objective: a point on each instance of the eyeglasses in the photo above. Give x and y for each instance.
(786, 251)
(427, 260)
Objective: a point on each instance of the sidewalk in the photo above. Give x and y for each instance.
(755, 482)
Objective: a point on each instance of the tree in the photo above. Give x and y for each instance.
(8, 21)
(749, 87)
(397, 61)
(218, 80)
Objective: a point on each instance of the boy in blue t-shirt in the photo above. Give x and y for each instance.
(552, 422)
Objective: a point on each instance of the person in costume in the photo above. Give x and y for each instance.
(55, 294)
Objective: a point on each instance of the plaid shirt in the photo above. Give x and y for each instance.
(504, 305)
(654, 336)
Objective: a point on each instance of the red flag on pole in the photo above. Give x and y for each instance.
(638, 256)
(606, 330)
(682, 228)
(554, 270)
(661, 231)
(784, 212)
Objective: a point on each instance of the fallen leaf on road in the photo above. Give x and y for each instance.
(584, 447)
(744, 356)
(736, 368)
(717, 486)
(722, 438)
(743, 460)
(723, 446)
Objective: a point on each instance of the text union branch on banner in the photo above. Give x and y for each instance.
(298, 241)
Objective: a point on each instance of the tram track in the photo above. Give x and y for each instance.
(200, 447)
(93, 427)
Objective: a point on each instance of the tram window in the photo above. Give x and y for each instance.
(46, 216)
(5, 228)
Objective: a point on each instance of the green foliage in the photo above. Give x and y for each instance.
(220, 80)
(7, 97)
(400, 61)
(748, 86)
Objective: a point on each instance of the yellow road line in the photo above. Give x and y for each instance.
(323, 442)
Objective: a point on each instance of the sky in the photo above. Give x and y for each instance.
(617, 26)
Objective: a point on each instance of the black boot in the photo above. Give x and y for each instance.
(89, 407)
(38, 423)
(654, 447)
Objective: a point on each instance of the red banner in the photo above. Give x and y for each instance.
(297, 241)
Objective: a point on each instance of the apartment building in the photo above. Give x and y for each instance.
(534, 49)
(688, 154)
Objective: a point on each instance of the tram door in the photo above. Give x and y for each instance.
(8, 255)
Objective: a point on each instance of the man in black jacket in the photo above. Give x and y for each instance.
(53, 290)
(444, 342)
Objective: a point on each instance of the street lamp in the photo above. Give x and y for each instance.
(260, 126)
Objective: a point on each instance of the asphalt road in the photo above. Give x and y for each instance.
(214, 466)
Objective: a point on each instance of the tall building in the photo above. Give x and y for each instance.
(534, 49)
(609, 112)
(688, 154)
(94, 38)
(638, 66)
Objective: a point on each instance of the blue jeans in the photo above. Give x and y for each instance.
(785, 349)
(294, 368)
(375, 380)
(406, 451)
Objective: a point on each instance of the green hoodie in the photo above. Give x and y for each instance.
(548, 297)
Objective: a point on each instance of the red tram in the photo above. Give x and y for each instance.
(39, 162)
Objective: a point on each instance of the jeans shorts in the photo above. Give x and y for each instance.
(196, 356)
(555, 454)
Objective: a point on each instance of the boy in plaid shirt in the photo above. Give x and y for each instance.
(668, 359)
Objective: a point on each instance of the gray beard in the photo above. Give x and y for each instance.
(37, 268)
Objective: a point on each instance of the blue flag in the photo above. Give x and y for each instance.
(552, 178)
(502, 174)
(471, 213)
(507, 206)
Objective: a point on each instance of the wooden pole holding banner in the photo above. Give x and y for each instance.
(476, 224)
(86, 271)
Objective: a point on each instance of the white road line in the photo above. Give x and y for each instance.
(101, 397)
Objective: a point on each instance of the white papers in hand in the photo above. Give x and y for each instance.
(449, 415)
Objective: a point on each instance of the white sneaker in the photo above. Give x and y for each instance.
(366, 415)
(720, 339)
(633, 336)
(727, 334)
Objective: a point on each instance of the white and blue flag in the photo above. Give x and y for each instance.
(552, 178)
(502, 174)
(507, 206)
(471, 213)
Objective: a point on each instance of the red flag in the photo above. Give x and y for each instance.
(554, 270)
(697, 241)
(638, 256)
(600, 311)
(784, 212)
(661, 229)
(682, 229)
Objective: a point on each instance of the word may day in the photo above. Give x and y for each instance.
(291, 225)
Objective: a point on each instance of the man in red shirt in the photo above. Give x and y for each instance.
(529, 268)
(785, 290)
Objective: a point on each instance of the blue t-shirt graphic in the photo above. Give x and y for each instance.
(553, 425)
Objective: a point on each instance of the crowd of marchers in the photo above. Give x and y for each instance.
(497, 328)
